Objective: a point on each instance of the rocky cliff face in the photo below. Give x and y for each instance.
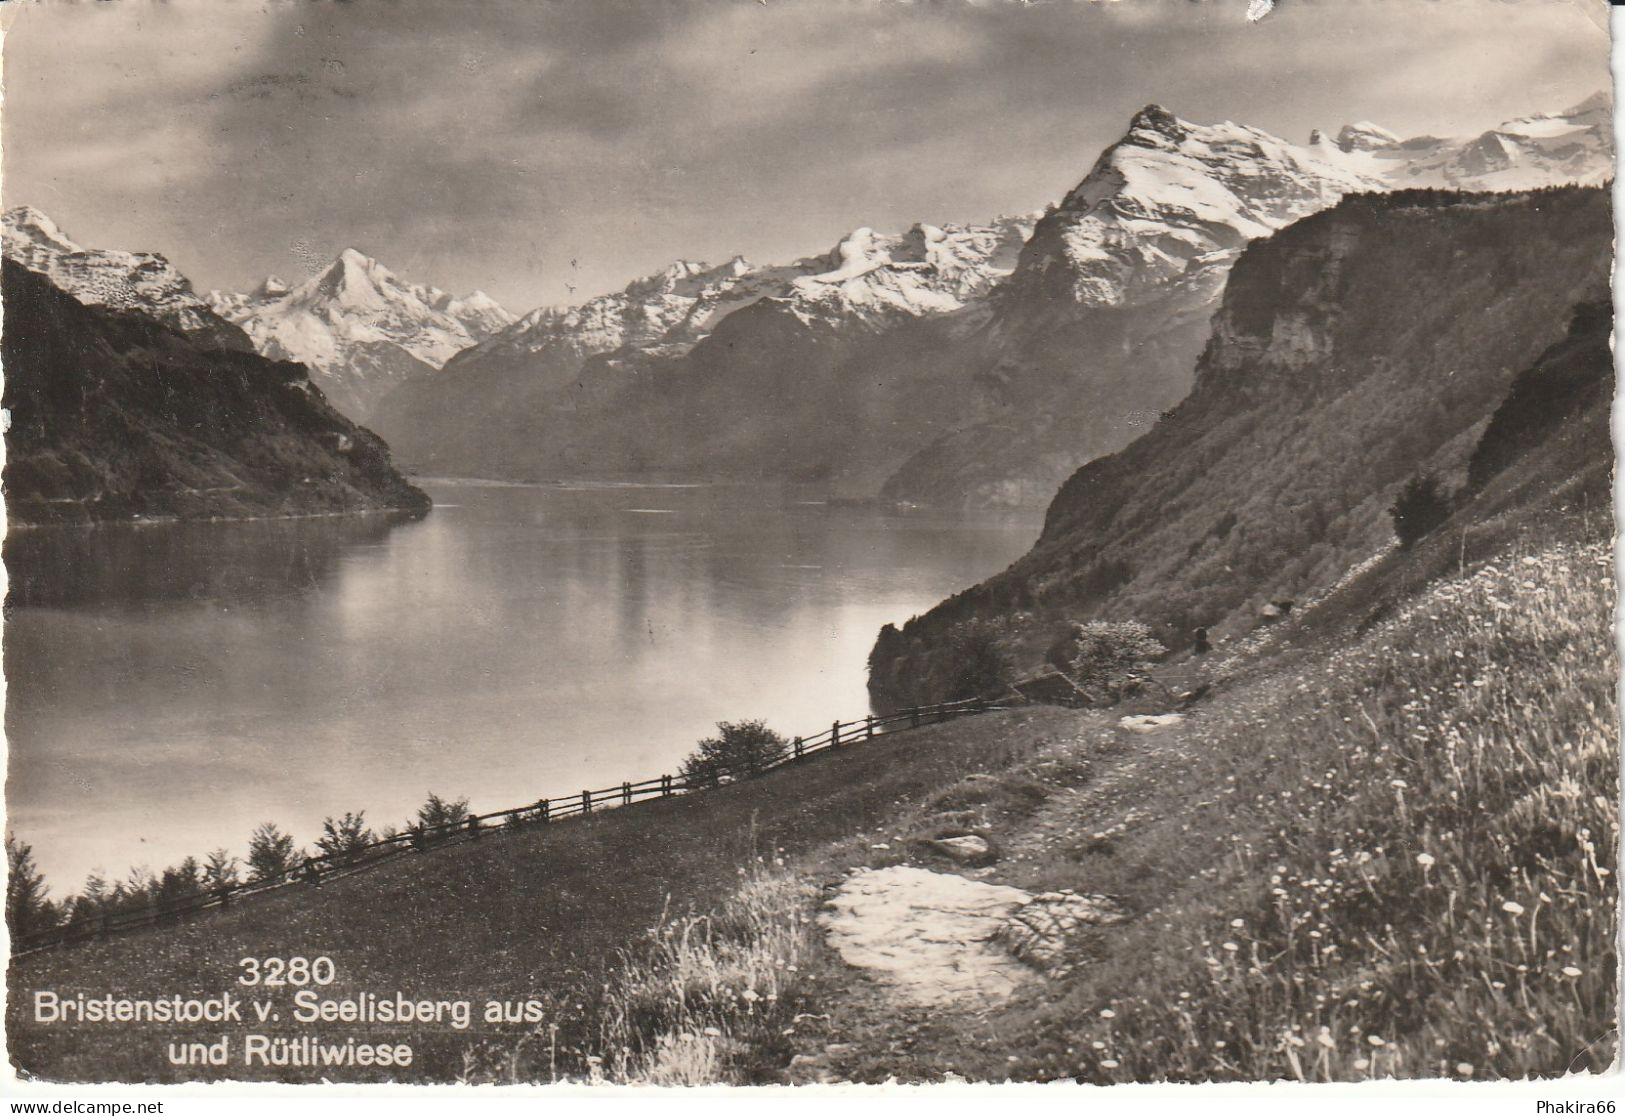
(1097, 329)
(361, 329)
(1351, 351)
(117, 415)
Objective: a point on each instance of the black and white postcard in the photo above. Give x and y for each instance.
(809, 542)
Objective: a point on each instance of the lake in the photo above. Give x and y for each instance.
(170, 686)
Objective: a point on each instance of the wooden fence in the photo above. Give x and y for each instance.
(313, 870)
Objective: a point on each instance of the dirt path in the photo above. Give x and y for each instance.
(921, 993)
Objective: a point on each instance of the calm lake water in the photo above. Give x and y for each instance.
(171, 686)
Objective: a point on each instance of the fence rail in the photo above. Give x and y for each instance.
(313, 870)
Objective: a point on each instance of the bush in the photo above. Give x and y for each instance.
(979, 661)
(270, 853)
(1420, 507)
(346, 838)
(437, 811)
(739, 750)
(1106, 655)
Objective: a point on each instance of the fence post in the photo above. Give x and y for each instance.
(419, 839)
(474, 828)
(665, 786)
(626, 794)
(835, 735)
(313, 874)
(914, 717)
(981, 705)
(800, 748)
(586, 802)
(869, 727)
(101, 924)
(544, 806)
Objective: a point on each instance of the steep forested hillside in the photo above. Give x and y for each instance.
(115, 415)
(1354, 351)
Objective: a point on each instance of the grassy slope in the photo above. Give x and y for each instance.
(1387, 858)
(541, 913)
(1365, 807)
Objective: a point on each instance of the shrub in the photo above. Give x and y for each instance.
(437, 811)
(1106, 655)
(270, 853)
(739, 750)
(979, 660)
(346, 838)
(1420, 507)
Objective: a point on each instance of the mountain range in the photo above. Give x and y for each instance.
(668, 375)
(129, 398)
(956, 364)
(947, 364)
(1418, 334)
(360, 329)
(144, 282)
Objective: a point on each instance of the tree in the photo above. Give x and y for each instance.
(27, 908)
(270, 853)
(91, 900)
(180, 882)
(1106, 655)
(437, 811)
(345, 839)
(979, 663)
(740, 750)
(1420, 507)
(220, 870)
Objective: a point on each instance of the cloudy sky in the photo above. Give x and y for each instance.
(490, 143)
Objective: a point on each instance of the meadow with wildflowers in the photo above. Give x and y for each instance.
(1392, 858)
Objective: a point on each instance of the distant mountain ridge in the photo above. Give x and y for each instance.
(1097, 330)
(960, 365)
(867, 276)
(1352, 351)
(361, 329)
(141, 281)
(122, 411)
(667, 374)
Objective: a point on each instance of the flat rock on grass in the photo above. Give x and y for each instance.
(967, 849)
(927, 935)
(1040, 932)
(1153, 723)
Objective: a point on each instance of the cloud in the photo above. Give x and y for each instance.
(484, 143)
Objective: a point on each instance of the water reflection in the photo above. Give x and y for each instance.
(180, 684)
(122, 564)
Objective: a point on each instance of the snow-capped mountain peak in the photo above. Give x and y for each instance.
(1575, 145)
(866, 279)
(360, 327)
(1364, 136)
(30, 224)
(1173, 201)
(144, 282)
